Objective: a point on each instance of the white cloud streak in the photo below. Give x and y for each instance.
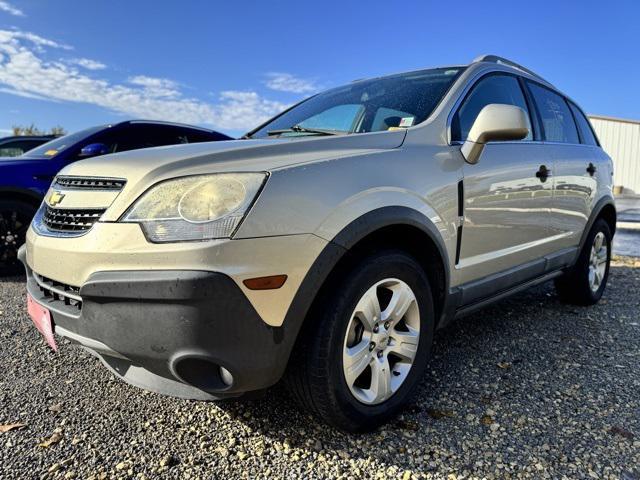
(285, 82)
(10, 9)
(24, 71)
(87, 63)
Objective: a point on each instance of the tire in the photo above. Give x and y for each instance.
(316, 375)
(15, 218)
(585, 282)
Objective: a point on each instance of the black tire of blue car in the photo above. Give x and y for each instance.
(574, 286)
(315, 376)
(15, 218)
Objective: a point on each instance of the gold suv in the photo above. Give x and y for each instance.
(328, 244)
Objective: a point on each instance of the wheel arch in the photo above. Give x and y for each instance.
(387, 227)
(21, 195)
(604, 208)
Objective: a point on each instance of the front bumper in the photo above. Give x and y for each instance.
(169, 331)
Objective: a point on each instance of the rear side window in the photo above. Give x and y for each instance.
(586, 133)
(504, 89)
(557, 120)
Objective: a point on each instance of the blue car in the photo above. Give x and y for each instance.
(17, 145)
(24, 180)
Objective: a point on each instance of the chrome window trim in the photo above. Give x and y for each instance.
(488, 71)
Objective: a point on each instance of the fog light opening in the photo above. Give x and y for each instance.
(202, 373)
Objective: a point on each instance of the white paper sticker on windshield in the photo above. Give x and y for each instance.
(406, 121)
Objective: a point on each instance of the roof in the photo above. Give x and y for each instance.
(161, 122)
(614, 119)
(28, 137)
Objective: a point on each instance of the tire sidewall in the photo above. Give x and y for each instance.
(383, 265)
(583, 266)
(27, 212)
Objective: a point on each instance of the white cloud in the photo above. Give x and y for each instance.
(157, 87)
(8, 8)
(285, 82)
(24, 71)
(87, 63)
(14, 36)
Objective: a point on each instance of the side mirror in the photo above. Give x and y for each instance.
(94, 149)
(495, 122)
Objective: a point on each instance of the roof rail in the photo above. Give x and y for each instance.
(506, 61)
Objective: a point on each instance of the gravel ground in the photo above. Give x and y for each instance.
(528, 388)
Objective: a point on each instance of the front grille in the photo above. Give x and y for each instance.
(60, 293)
(70, 220)
(95, 183)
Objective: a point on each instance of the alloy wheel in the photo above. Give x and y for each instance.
(598, 261)
(381, 341)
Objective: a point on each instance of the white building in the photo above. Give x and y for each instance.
(621, 140)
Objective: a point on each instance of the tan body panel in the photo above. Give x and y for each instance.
(123, 247)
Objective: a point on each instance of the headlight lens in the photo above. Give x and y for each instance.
(201, 207)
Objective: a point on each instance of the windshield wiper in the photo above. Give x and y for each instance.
(301, 129)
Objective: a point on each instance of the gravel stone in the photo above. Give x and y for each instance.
(557, 385)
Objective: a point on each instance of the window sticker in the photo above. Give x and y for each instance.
(50, 153)
(406, 121)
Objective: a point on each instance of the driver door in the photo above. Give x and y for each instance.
(506, 203)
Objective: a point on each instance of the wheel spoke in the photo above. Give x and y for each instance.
(401, 300)
(368, 309)
(355, 360)
(602, 256)
(380, 380)
(405, 344)
(597, 244)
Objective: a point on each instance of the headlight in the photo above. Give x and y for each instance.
(201, 207)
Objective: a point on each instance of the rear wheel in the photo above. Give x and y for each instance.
(15, 218)
(367, 346)
(584, 284)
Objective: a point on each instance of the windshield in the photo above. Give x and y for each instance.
(386, 103)
(52, 148)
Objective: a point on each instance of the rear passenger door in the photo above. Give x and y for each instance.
(572, 146)
(506, 206)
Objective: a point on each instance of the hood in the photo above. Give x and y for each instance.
(232, 155)
(143, 168)
(13, 160)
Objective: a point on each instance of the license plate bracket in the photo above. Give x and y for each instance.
(41, 318)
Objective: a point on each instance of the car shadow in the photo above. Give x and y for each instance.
(513, 374)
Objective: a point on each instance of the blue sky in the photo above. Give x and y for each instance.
(231, 65)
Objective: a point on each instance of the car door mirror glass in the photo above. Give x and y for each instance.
(94, 149)
(495, 123)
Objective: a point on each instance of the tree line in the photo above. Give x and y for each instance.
(19, 130)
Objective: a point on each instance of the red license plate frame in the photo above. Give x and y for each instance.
(41, 318)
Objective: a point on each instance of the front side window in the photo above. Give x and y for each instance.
(557, 121)
(586, 132)
(396, 101)
(60, 144)
(502, 89)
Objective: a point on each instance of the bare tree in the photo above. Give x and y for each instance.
(33, 130)
(58, 131)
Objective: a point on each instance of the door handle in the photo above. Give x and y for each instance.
(591, 169)
(543, 173)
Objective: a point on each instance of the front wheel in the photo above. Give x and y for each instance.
(15, 218)
(368, 344)
(584, 284)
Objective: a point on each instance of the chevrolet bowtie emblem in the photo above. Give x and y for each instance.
(55, 198)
